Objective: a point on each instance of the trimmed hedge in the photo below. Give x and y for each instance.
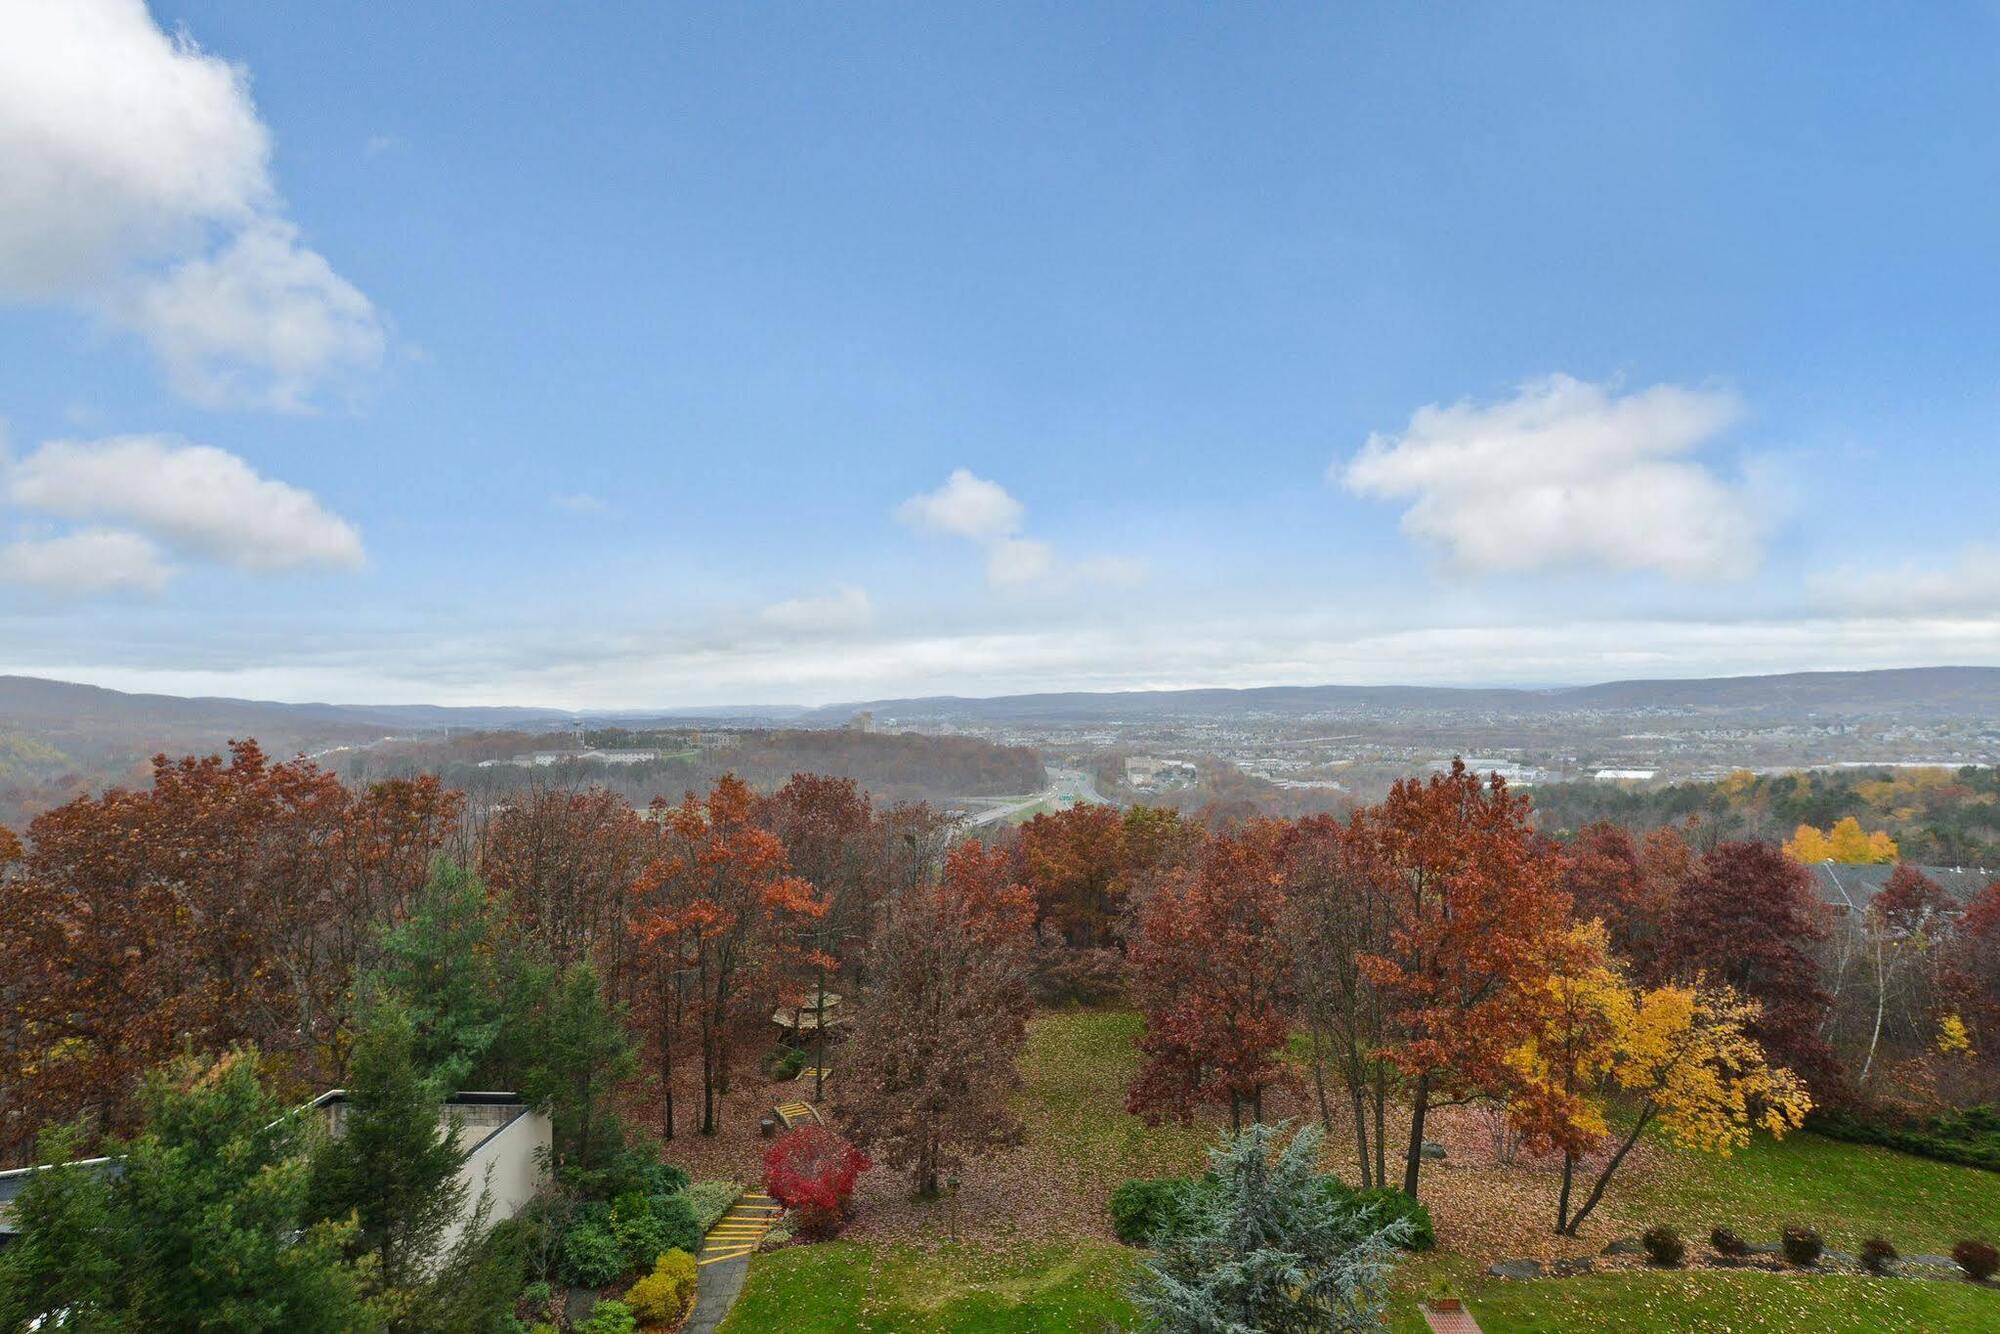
(1970, 1138)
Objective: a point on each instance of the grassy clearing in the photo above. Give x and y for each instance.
(841, 1286)
(1052, 1270)
(1848, 1191)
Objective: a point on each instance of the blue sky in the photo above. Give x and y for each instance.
(630, 356)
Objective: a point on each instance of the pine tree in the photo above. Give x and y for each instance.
(1270, 1248)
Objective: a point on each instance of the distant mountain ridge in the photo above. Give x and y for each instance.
(1957, 692)
(35, 704)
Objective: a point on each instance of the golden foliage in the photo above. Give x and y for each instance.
(1846, 843)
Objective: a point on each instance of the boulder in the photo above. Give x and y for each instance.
(1432, 1149)
(1516, 1269)
(1626, 1246)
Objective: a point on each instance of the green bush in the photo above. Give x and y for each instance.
(710, 1200)
(662, 1295)
(1727, 1241)
(1146, 1209)
(784, 1062)
(646, 1226)
(592, 1255)
(609, 1318)
(1390, 1204)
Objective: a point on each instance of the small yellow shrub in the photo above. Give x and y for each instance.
(662, 1295)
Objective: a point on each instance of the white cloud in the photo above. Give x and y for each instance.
(1566, 474)
(1969, 582)
(965, 506)
(136, 183)
(846, 608)
(94, 560)
(195, 498)
(578, 502)
(984, 513)
(264, 321)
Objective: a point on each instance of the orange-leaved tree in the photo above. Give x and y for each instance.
(1477, 913)
(722, 912)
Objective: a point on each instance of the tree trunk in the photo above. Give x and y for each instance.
(1604, 1177)
(1413, 1157)
(1359, 1097)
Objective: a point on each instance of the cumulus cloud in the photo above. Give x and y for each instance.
(195, 499)
(1567, 474)
(137, 185)
(94, 560)
(965, 506)
(846, 608)
(983, 512)
(1967, 582)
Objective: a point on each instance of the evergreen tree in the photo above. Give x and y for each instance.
(442, 966)
(391, 1169)
(202, 1221)
(1270, 1248)
(569, 1051)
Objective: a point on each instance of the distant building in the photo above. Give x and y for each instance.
(1149, 771)
(1849, 889)
(1623, 775)
(863, 721)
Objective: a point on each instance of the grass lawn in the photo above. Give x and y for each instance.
(1740, 1303)
(1848, 1191)
(840, 1286)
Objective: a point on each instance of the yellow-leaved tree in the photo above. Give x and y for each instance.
(1679, 1056)
(1847, 842)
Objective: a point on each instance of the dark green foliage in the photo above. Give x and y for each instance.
(1802, 1245)
(609, 1318)
(592, 1255)
(1663, 1245)
(440, 964)
(1387, 1204)
(1979, 1259)
(1145, 1209)
(1728, 1242)
(784, 1062)
(208, 1215)
(573, 1052)
(646, 1226)
(70, 1248)
(1970, 1138)
(1878, 1256)
(390, 1170)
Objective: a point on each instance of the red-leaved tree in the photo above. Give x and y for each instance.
(1212, 973)
(1747, 916)
(812, 1170)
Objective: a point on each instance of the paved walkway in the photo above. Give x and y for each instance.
(725, 1258)
(1450, 1322)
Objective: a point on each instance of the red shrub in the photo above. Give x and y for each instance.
(812, 1170)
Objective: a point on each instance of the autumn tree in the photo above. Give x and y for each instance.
(1679, 1057)
(720, 900)
(1905, 931)
(1337, 911)
(1747, 916)
(231, 901)
(1476, 912)
(1626, 885)
(1972, 970)
(1073, 860)
(812, 1170)
(1845, 842)
(1212, 973)
(564, 861)
(930, 1066)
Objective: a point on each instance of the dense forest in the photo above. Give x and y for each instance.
(1937, 817)
(890, 767)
